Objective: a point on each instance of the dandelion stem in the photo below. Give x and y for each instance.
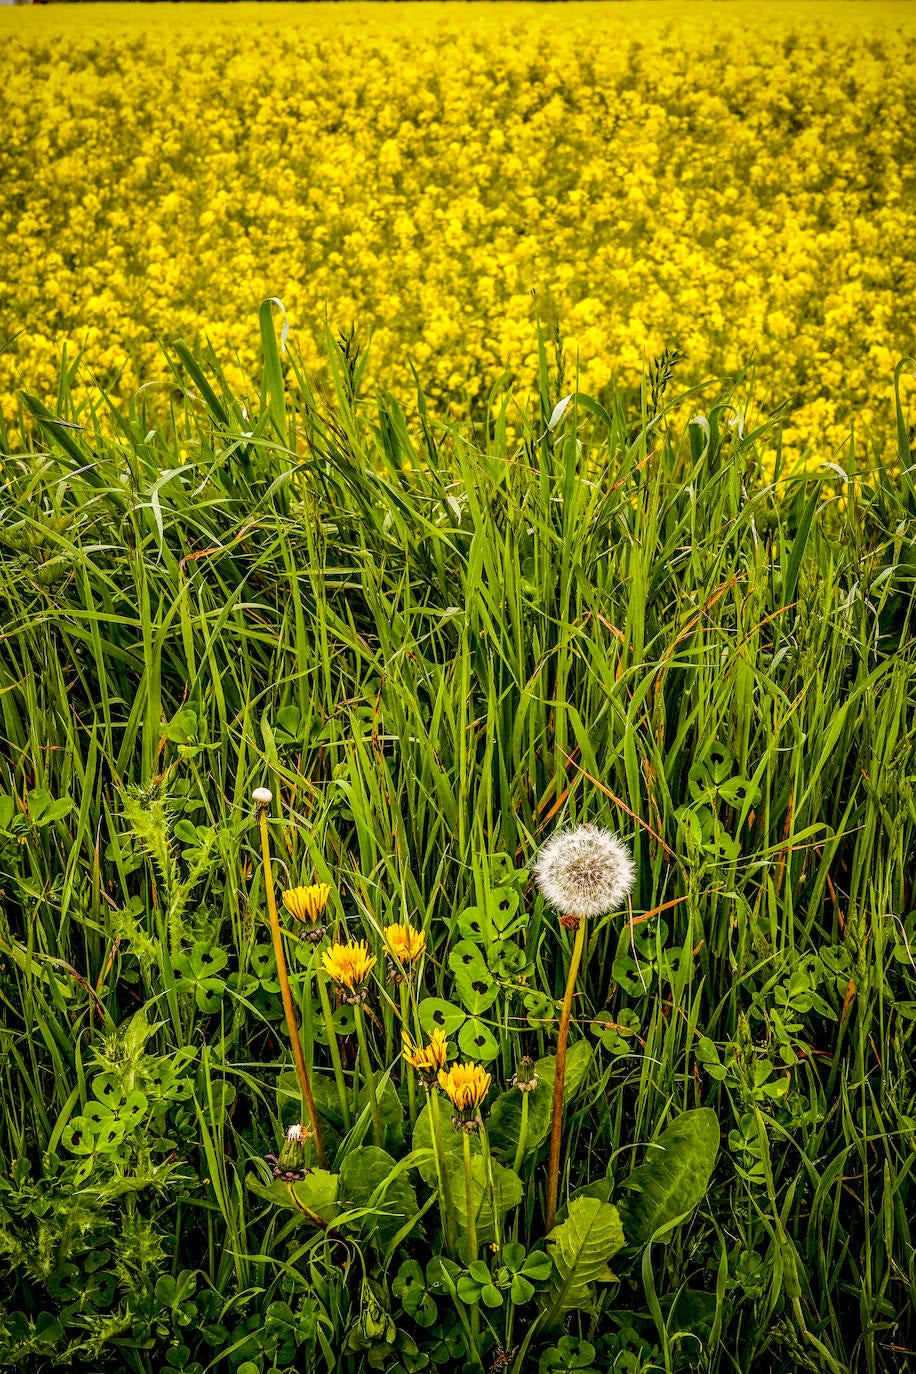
(406, 1070)
(556, 1124)
(491, 1189)
(522, 1135)
(295, 1043)
(471, 1242)
(334, 1047)
(469, 1197)
(446, 1211)
(368, 1076)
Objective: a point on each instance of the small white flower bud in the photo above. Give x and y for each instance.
(262, 796)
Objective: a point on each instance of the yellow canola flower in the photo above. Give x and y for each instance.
(349, 966)
(404, 942)
(307, 903)
(429, 213)
(427, 1059)
(465, 1086)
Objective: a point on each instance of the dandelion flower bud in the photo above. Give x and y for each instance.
(262, 797)
(291, 1165)
(584, 872)
(525, 1077)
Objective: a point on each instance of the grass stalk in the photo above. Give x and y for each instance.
(288, 1009)
(407, 1071)
(368, 1075)
(334, 1049)
(446, 1210)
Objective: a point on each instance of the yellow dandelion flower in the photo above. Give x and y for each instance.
(307, 904)
(349, 966)
(428, 1059)
(405, 943)
(464, 1086)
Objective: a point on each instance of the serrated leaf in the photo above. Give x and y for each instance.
(580, 1248)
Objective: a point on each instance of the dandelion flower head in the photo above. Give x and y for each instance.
(465, 1085)
(584, 872)
(404, 942)
(427, 1059)
(348, 964)
(307, 903)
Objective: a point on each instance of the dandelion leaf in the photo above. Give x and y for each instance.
(580, 1248)
(505, 1120)
(371, 1179)
(674, 1176)
(507, 1192)
(314, 1197)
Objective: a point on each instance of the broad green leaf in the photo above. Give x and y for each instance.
(468, 957)
(477, 991)
(391, 1111)
(477, 1041)
(507, 1192)
(313, 1197)
(364, 1175)
(674, 1176)
(580, 1248)
(422, 1140)
(437, 1014)
(505, 1119)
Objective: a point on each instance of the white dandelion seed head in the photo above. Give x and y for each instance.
(295, 1135)
(584, 872)
(262, 796)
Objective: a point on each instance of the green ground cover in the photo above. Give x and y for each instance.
(436, 645)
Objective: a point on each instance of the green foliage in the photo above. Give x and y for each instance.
(673, 1178)
(580, 1247)
(436, 643)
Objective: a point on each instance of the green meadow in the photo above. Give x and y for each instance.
(437, 644)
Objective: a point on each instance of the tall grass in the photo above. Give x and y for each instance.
(435, 643)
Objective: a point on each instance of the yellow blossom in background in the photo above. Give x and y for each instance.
(465, 1086)
(427, 1059)
(642, 174)
(404, 942)
(348, 965)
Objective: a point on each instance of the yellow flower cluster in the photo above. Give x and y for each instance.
(307, 903)
(711, 177)
(404, 942)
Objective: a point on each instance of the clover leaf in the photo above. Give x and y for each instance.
(199, 974)
(476, 1285)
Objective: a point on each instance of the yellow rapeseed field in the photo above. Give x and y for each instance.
(732, 179)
